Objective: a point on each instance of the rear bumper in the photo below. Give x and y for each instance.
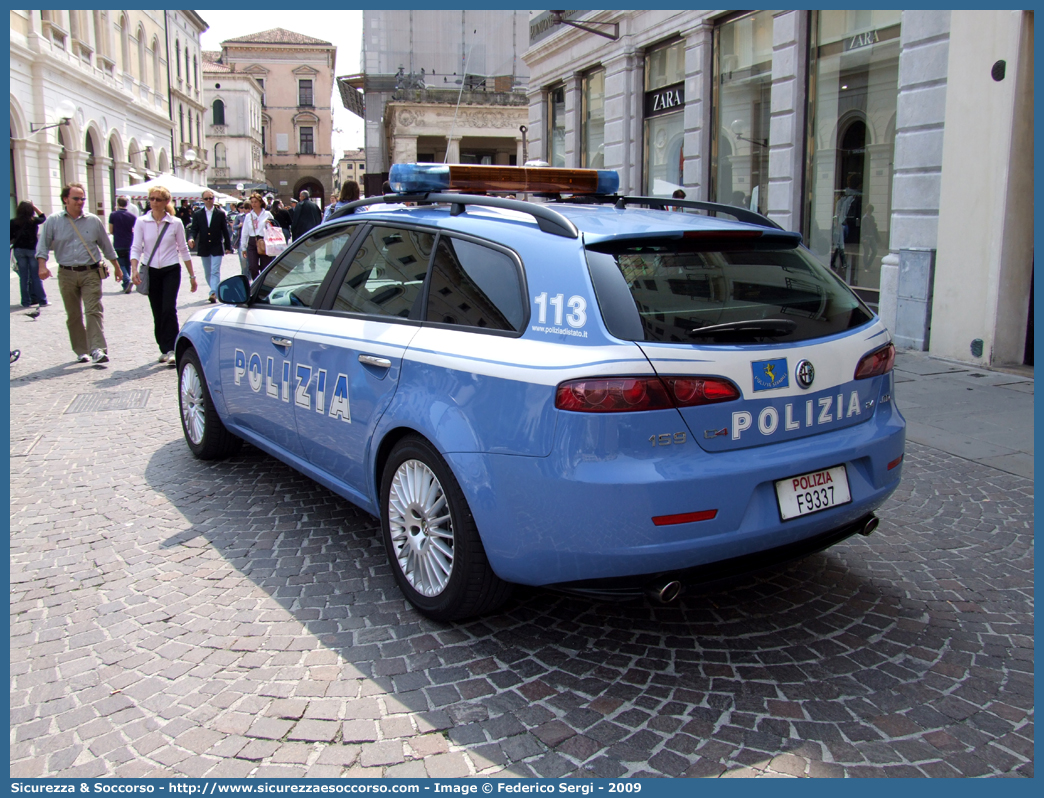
(629, 586)
(585, 512)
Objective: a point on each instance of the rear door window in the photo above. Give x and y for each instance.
(474, 285)
(719, 291)
(386, 276)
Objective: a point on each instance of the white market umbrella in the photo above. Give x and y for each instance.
(179, 189)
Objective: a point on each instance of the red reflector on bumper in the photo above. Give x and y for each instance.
(895, 462)
(684, 518)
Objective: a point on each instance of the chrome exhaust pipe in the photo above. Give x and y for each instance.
(869, 526)
(664, 592)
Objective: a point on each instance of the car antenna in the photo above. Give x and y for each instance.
(460, 94)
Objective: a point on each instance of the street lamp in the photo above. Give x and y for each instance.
(65, 112)
(65, 120)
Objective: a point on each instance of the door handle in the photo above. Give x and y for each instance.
(282, 342)
(380, 362)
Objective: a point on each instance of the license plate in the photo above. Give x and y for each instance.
(813, 492)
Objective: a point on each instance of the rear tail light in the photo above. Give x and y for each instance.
(876, 363)
(626, 394)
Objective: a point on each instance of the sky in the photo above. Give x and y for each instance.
(341, 28)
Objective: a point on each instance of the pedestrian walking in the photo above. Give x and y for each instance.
(349, 193)
(210, 228)
(253, 231)
(306, 216)
(160, 236)
(25, 230)
(184, 213)
(79, 240)
(121, 228)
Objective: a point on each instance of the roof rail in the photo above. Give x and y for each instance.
(620, 202)
(547, 219)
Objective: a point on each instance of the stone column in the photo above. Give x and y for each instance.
(404, 149)
(698, 78)
(924, 43)
(100, 181)
(50, 176)
(122, 173)
(787, 132)
(623, 111)
(76, 164)
(452, 149)
(573, 123)
(536, 127)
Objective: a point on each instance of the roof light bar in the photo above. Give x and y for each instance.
(408, 178)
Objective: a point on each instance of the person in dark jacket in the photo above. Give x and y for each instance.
(306, 216)
(121, 228)
(209, 228)
(184, 212)
(24, 238)
(282, 218)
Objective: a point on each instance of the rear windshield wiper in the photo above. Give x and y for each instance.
(751, 329)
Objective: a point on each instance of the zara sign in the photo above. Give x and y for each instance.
(665, 100)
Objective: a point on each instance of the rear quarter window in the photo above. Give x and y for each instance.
(677, 287)
(473, 285)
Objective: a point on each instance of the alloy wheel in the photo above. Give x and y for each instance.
(421, 528)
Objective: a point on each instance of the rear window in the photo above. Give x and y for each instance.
(719, 291)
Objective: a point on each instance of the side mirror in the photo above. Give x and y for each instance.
(234, 291)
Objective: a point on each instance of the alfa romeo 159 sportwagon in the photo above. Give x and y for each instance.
(591, 392)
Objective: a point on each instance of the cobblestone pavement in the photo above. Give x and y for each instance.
(171, 617)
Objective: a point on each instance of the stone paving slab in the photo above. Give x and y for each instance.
(171, 618)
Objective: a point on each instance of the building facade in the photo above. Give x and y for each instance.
(846, 126)
(89, 104)
(351, 166)
(232, 125)
(440, 86)
(296, 76)
(184, 57)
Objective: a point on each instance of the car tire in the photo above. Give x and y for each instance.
(431, 538)
(205, 433)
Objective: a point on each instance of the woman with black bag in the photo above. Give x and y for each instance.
(161, 235)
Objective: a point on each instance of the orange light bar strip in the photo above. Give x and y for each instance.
(515, 178)
(684, 518)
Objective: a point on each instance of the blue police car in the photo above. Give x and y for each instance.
(591, 392)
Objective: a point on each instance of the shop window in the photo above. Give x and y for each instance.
(855, 65)
(664, 127)
(593, 131)
(556, 126)
(742, 101)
